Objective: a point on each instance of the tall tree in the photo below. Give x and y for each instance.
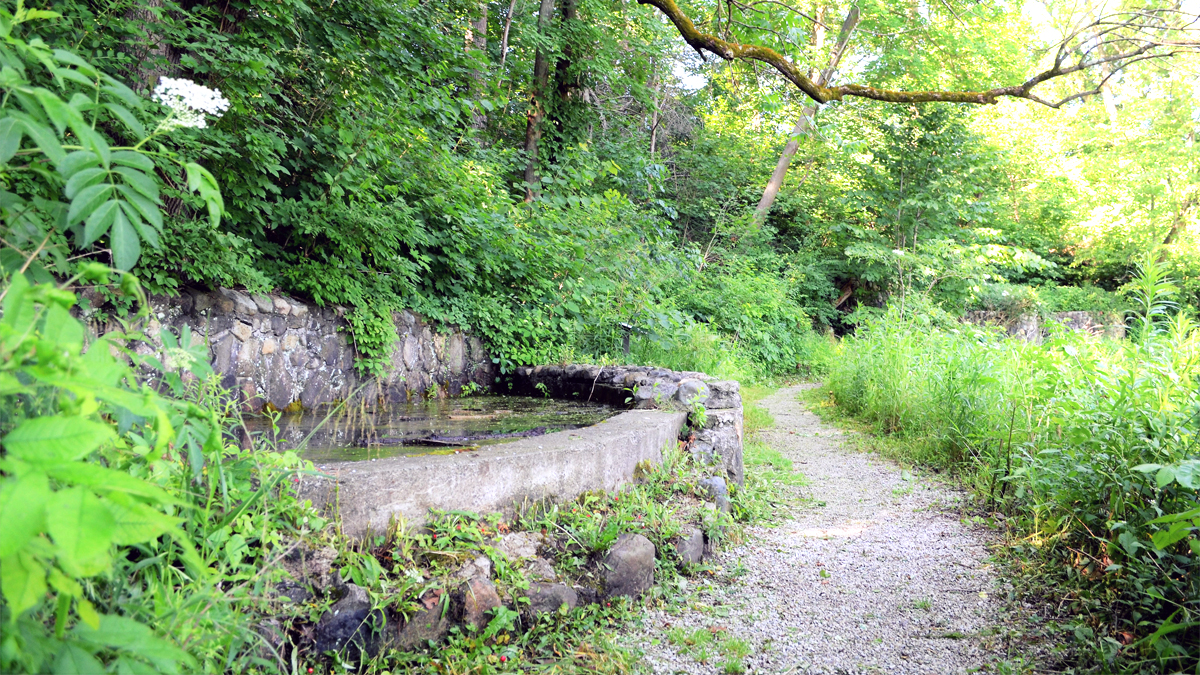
(537, 103)
(808, 114)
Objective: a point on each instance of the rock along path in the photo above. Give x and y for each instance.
(871, 573)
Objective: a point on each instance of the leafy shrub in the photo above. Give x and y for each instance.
(1013, 300)
(1080, 299)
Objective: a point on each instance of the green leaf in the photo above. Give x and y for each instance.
(1165, 476)
(139, 181)
(1164, 538)
(64, 56)
(22, 510)
(1147, 468)
(19, 310)
(87, 201)
(118, 632)
(1187, 473)
(77, 161)
(99, 222)
(56, 109)
(23, 582)
(74, 76)
(56, 438)
(128, 119)
(137, 522)
(146, 232)
(45, 139)
(83, 179)
(133, 159)
(126, 246)
(73, 660)
(105, 480)
(120, 90)
(1130, 543)
(62, 330)
(82, 529)
(1175, 517)
(149, 211)
(10, 138)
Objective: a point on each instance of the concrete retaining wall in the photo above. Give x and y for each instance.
(500, 478)
(278, 350)
(717, 442)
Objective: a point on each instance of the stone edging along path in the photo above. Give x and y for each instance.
(871, 574)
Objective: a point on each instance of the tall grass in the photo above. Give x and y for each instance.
(1089, 445)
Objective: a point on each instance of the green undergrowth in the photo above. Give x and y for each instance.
(1083, 448)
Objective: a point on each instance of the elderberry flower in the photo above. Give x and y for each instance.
(189, 102)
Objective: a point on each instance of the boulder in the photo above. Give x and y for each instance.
(540, 569)
(689, 546)
(691, 391)
(520, 545)
(726, 394)
(628, 567)
(428, 624)
(473, 600)
(548, 598)
(479, 567)
(713, 488)
(349, 623)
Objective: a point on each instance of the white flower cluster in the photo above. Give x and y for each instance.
(189, 102)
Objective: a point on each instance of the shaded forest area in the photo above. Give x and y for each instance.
(759, 189)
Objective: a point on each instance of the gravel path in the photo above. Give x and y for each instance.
(872, 573)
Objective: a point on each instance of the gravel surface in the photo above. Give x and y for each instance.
(872, 572)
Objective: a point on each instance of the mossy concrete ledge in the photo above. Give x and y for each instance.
(369, 495)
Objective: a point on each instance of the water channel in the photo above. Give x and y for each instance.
(438, 426)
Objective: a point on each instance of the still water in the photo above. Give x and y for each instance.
(440, 426)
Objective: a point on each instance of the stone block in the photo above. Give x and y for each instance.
(263, 303)
(455, 354)
(279, 325)
(726, 394)
(269, 346)
(280, 306)
(473, 600)
(689, 546)
(545, 598)
(241, 330)
(428, 624)
(692, 391)
(412, 353)
(239, 302)
(291, 342)
(350, 621)
(628, 567)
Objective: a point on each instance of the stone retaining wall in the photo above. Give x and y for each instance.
(279, 351)
(1031, 328)
(717, 442)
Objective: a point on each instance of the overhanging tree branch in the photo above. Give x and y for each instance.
(1149, 34)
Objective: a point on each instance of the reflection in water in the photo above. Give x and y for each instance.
(428, 427)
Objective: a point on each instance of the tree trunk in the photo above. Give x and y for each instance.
(477, 39)
(537, 107)
(807, 116)
(512, 7)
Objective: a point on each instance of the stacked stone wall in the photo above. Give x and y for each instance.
(276, 350)
(1031, 327)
